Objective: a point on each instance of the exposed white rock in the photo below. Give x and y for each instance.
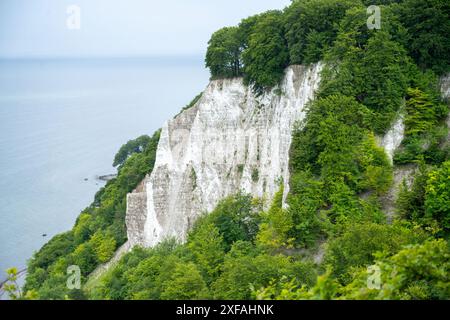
(445, 86)
(391, 141)
(230, 140)
(394, 137)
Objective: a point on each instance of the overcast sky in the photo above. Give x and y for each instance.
(119, 27)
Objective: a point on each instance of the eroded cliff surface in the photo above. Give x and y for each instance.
(230, 140)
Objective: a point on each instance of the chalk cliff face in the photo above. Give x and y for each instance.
(230, 140)
(393, 137)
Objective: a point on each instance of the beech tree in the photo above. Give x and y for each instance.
(266, 56)
(223, 56)
(311, 27)
(428, 27)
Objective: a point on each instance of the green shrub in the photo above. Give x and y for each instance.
(358, 244)
(416, 272)
(437, 196)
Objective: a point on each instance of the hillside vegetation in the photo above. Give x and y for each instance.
(333, 239)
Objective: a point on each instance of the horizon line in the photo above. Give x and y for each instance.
(80, 57)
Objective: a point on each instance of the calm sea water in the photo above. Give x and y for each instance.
(62, 121)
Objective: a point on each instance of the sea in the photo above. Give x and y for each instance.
(61, 123)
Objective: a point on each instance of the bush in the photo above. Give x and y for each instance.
(357, 245)
(305, 203)
(236, 218)
(437, 196)
(206, 246)
(243, 272)
(276, 225)
(417, 272)
(185, 283)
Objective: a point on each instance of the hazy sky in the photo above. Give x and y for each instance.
(119, 27)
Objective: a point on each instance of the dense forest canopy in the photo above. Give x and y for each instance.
(261, 46)
(335, 230)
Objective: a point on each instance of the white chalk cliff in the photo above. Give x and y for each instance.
(230, 140)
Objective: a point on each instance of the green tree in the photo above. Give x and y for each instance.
(140, 274)
(133, 146)
(410, 201)
(311, 27)
(428, 28)
(377, 170)
(206, 245)
(369, 65)
(236, 217)
(325, 142)
(245, 270)
(186, 282)
(305, 201)
(437, 196)
(422, 113)
(266, 56)
(426, 200)
(81, 230)
(276, 225)
(85, 257)
(223, 56)
(358, 244)
(104, 246)
(418, 271)
(326, 288)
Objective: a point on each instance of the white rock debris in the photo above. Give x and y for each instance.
(230, 140)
